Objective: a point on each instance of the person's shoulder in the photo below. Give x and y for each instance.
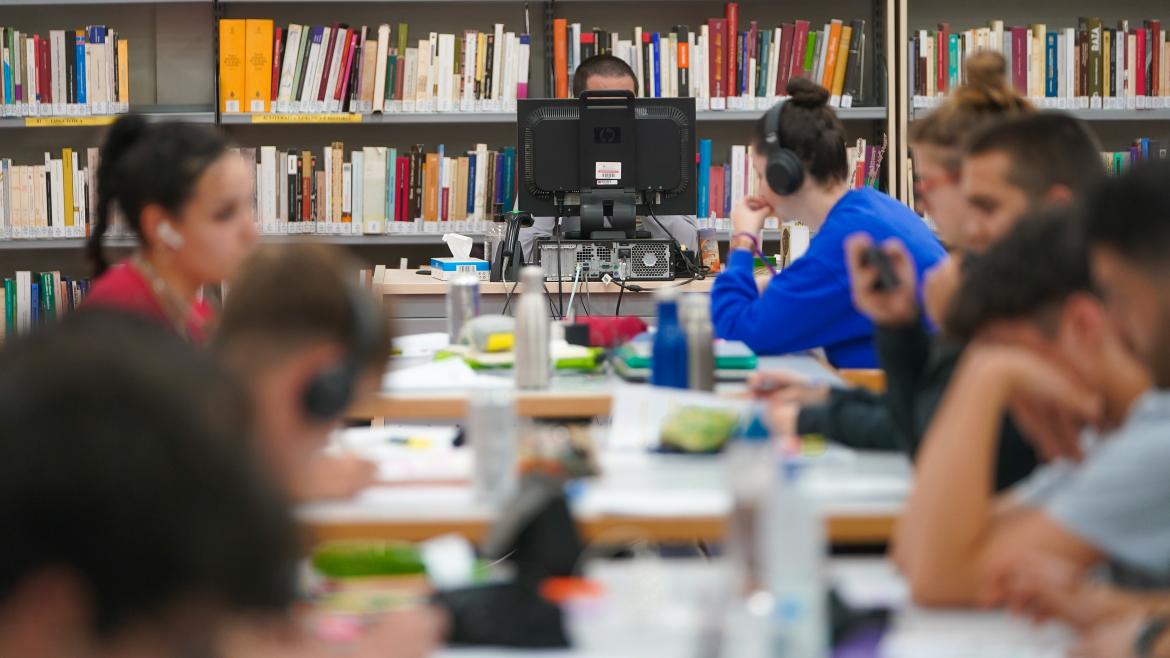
(117, 282)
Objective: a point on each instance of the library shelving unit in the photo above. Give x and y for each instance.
(174, 69)
(1115, 128)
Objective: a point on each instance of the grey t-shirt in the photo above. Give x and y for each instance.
(1118, 499)
(682, 227)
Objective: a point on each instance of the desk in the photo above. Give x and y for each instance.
(571, 395)
(419, 303)
(655, 607)
(640, 495)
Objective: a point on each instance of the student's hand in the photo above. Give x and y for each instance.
(1023, 374)
(940, 287)
(328, 477)
(414, 633)
(748, 214)
(1113, 638)
(786, 386)
(1047, 587)
(782, 417)
(889, 308)
(1054, 432)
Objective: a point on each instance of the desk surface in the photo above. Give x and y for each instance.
(639, 496)
(569, 396)
(409, 282)
(657, 607)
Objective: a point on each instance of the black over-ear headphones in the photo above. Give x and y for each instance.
(784, 172)
(329, 392)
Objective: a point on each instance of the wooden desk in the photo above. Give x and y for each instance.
(639, 496)
(418, 303)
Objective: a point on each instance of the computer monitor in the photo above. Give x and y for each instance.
(606, 154)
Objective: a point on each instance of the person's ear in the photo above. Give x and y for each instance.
(1058, 195)
(158, 228)
(1083, 323)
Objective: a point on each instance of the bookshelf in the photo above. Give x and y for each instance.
(1115, 128)
(174, 54)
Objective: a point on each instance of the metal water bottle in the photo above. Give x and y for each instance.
(531, 345)
(668, 366)
(696, 322)
(462, 303)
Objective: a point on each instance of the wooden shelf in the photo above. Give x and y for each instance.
(1160, 114)
(705, 116)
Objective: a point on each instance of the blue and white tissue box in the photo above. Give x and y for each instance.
(445, 269)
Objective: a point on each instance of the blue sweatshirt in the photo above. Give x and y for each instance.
(809, 304)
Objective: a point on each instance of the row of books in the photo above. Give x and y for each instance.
(54, 199)
(1087, 66)
(365, 190)
(69, 73)
(720, 186)
(1142, 149)
(720, 65)
(31, 299)
(339, 68)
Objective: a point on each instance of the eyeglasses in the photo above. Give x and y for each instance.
(924, 186)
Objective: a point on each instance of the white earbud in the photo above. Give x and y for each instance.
(169, 236)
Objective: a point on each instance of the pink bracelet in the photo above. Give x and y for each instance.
(756, 249)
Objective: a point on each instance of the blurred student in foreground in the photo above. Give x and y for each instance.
(134, 522)
(188, 199)
(307, 340)
(1037, 329)
(1128, 236)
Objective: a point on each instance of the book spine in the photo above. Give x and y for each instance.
(731, 47)
(704, 191)
(560, 57)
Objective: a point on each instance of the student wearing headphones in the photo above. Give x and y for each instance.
(188, 198)
(305, 352)
(601, 73)
(306, 340)
(798, 151)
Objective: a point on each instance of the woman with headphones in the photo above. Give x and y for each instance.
(798, 151)
(189, 200)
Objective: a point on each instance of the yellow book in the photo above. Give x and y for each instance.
(67, 184)
(842, 62)
(232, 46)
(459, 201)
(1106, 57)
(338, 162)
(123, 71)
(831, 54)
(431, 188)
(258, 65)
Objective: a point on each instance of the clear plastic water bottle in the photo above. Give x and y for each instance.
(796, 570)
(669, 363)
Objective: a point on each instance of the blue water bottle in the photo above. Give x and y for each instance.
(669, 365)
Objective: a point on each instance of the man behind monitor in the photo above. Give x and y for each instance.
(604, 73)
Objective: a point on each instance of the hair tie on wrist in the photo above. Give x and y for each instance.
(756, 249)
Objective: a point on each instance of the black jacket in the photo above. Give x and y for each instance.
(918, 369)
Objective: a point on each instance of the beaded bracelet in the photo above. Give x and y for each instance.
(756, 249)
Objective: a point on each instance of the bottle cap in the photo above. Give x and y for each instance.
(695, 307)
(752, 427)
(533, 278)
(667, 294)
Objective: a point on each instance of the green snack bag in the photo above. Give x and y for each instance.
(351, 559)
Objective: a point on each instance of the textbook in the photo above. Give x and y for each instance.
(1092, 65)
(31, 299)
(80, 72)
(341, 68)
(721, 66)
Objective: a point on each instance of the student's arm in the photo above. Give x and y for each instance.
(852, 417)
(946, 537)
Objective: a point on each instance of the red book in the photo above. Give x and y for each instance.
(278, 39)
(730, 52)
(46, 72)
(943, 52)
(1140, 56)
(784, 68)
(399, 75)
(1156, 58)
(323, 89)
(715, 66)
(402, 179)
(799, 45)
(752, 36)
(346, 64)
(716, 190)
(443, 203)
(1019, 64)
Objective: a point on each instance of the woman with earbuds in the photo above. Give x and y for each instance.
(798, 152)
(189, 200)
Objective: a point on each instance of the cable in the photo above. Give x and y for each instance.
(560, 253)
(621, 292)
(508, 298)
(700, 271)
(573, 294)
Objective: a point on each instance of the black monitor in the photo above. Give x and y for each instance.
(607, 154)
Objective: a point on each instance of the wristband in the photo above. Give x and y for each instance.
(756, 249)
(1151, 630)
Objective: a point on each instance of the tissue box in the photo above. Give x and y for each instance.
(445, 269)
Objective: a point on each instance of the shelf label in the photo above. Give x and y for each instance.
(307, 118)
(51, 122)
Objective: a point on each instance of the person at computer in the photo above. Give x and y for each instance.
(602, 73)
(798, 151)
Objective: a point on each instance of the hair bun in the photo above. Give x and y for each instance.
(807, 94)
